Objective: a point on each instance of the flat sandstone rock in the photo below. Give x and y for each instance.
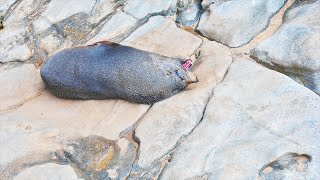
(162, 36)
(255, 117)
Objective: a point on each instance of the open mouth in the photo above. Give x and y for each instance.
(187, 64)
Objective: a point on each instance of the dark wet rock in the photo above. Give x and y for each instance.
(117, 27)
(1, 22)
(188, 12)
(294, 48)
(92, 157)
(95, 157)
(236, 22)
(108, 70)
(286, 166)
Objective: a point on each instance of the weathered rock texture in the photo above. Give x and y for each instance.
(107, 70)
(141, 9)
(235, 22)
(45, 121)
(161, 35)
(118, 26)
(240, 121)
(294, 48)
(254, 117)
(54, 171)
(26, 85)
(188, 12)
(100, 158)
(5, 5)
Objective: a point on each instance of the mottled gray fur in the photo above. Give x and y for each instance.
(107, 70)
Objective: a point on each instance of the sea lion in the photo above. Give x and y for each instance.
(107, 70)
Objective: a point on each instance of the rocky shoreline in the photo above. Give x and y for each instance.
(254, 114)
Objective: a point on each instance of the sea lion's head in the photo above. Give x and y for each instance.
(184, 76)
(190, 76)
(179, 75)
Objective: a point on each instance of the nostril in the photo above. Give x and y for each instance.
(168, 73)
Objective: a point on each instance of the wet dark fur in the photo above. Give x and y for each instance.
(107, 70)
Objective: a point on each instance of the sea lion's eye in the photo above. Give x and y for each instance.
(179, 74)
(1, 22)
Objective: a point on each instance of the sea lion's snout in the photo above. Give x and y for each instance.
(191, 78)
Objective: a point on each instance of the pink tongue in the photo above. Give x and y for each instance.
(187, 64)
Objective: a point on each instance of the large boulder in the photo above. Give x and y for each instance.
(294, 48)
(236, 22)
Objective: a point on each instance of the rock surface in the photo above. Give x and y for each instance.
(54, 171)
(57, 10)
(206, 3)
(161, 35)
(118, 26)
(294, 48)
(188, 12)
(240, 121)
(100, 158)
(42, 122)
(140, 8)
(69, 26)
(235, 23)
(250, 121)
(16, 37)
(5, 5)
(26, 85)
